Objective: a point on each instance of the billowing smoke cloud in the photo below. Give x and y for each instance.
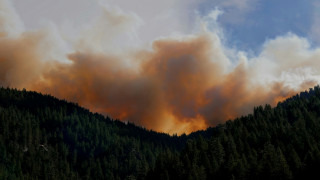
(10, 23)
(180, 84)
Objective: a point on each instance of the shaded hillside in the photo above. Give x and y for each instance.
(272, 143)
(46, 138)
(42, 137)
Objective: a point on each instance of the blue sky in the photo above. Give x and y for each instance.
(250, 26)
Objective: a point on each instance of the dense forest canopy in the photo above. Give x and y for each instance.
(42, 137)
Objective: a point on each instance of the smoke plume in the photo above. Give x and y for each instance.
(178, 85)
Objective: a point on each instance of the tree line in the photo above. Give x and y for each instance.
(42, 137)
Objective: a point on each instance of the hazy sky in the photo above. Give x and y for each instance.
(247, 24)
(172, 65)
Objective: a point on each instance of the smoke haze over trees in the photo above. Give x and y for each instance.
(46, 138)
(174, 83)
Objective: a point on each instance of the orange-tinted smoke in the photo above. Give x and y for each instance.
(178, 87)
(164, 93)
(20, 62)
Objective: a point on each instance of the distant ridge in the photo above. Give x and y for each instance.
(42, 137)
(47, 138)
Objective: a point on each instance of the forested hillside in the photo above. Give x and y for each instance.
(272, 143)
(42, 137)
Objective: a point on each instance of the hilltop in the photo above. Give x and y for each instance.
(42, 137)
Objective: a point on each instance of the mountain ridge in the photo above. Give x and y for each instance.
(47, 138)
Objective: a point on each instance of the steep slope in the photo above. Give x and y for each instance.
(272, 143)
(42, 137)
(46, 138)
